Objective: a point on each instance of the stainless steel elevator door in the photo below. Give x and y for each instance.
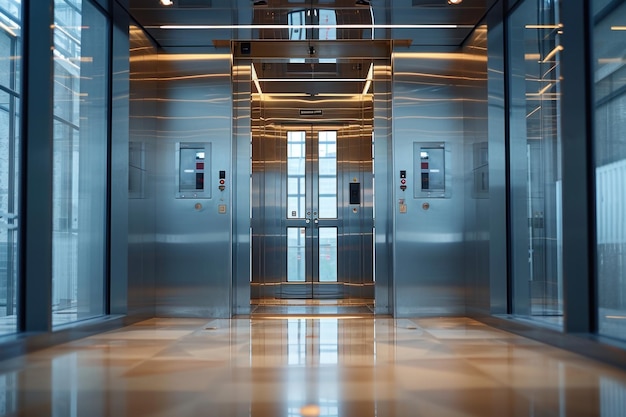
(309, 238)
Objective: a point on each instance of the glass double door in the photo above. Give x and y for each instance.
(312, 216)
(310, 234)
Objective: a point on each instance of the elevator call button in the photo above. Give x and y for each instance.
(403, 180)
(222, 175)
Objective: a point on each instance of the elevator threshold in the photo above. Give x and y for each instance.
(298, 308)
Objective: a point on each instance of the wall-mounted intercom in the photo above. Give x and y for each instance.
(429, 167)
(355, 193)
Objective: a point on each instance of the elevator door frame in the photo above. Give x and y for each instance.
(354, 233)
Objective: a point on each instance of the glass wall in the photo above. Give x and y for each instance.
(10, 66)
(609, 77)
(80, 160)
(535, 155)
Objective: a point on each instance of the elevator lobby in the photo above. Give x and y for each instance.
(298, 208)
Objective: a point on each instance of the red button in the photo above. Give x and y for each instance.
(222, 182)
(403, 181)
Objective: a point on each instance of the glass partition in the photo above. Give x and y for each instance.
(80, 160)
(535, 154)
(609, 71)
(10, 68)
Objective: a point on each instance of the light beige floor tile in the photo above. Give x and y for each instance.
(364, 367)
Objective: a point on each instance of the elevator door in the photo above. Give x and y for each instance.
(312, 229)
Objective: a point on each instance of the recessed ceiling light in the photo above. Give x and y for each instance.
(166, 2)
(455, 2)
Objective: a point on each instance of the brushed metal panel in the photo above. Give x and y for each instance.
(498, 231)
(120, 121)
(429, 242)
(242, 165)
(383, 190)
(477, 174)
(193, 238)
(140, 170)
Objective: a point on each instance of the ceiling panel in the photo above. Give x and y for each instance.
(152, 16)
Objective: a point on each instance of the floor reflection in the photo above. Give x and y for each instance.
(306, 366)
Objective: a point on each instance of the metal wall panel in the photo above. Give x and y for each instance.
(429, 242)
(193, 246)
(498, 230)
(120, 112)
(383, 190)
(139, 181)
(477, 178)
(242, 137)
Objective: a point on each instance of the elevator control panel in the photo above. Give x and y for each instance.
(193, 169)
(403, 180)
(222, 181)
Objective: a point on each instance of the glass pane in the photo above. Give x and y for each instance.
(10, 43)
(80, 161)
(610, 160)
(296, 252)
(535, 154)
(328, 254)
(327, 154)
(296, 181)
(10, 63)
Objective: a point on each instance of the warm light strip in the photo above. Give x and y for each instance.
(440, 56)
(618, 27)
(533, 112)
(256, 80)
(193, 57)
(311, 317)
(304, 80)
(546, 88)
(370, 76)
(374, 26)
(559, 26)
(553, 52)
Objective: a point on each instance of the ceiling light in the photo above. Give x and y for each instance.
(455, 2)
(310, 26)
(166, 2)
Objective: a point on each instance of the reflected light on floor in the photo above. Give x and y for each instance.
(318, 367)
(310, 410)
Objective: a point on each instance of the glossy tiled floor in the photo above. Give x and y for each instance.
(275, 367)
